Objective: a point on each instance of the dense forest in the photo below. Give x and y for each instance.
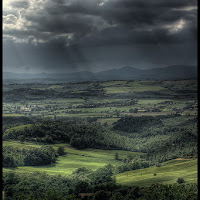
(137, 124)
(90, 185)
(13, 156)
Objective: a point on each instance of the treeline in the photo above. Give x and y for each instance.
(27, 93)
(17, 120)
(88, 185)
(109, 104)
(137, 124)
(78, 135)
(31, 156)
(132, 166)
(182, 142)
(9, 122)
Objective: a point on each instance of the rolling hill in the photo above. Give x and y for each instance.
(124, 73)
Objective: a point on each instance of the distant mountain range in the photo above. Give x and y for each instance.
(124, 73)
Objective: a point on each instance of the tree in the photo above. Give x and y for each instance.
(81, 186)
(21, 138)
(61, 151)
(180, 180)
(116, 156)
(135, 110)
(102, 195)
(117, 113)
(117, 196)
(131, 110)
(8, 161)
(54, 117)
(105, 124)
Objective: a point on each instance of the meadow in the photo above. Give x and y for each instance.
(167, 173)
(90, 158)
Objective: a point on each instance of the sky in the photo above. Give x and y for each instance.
(62, 36)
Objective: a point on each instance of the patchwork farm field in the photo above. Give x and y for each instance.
(106, 99)
(82, 138)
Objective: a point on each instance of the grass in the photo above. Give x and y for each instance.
(12, 115)
(148, 113)
(65, 165)
(176, 120)
(166, 174)
(20, 144)
(19, 128)
(3, 195)
(121, 87)
(113, 83)
(104, 109)
(151, 101)
(109, 121)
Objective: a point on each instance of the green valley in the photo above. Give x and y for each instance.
(102, 137)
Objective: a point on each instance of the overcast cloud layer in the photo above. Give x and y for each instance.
(94, 35)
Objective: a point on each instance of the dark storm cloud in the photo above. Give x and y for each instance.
(9, 19)
(68, 32)
(83, 18)
(20, 4)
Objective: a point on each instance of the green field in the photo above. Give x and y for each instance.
(132, 87)
(65, 165)
(96, 158)
(6, 113)
(168, 173)
(19, 128)
(72, 100)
